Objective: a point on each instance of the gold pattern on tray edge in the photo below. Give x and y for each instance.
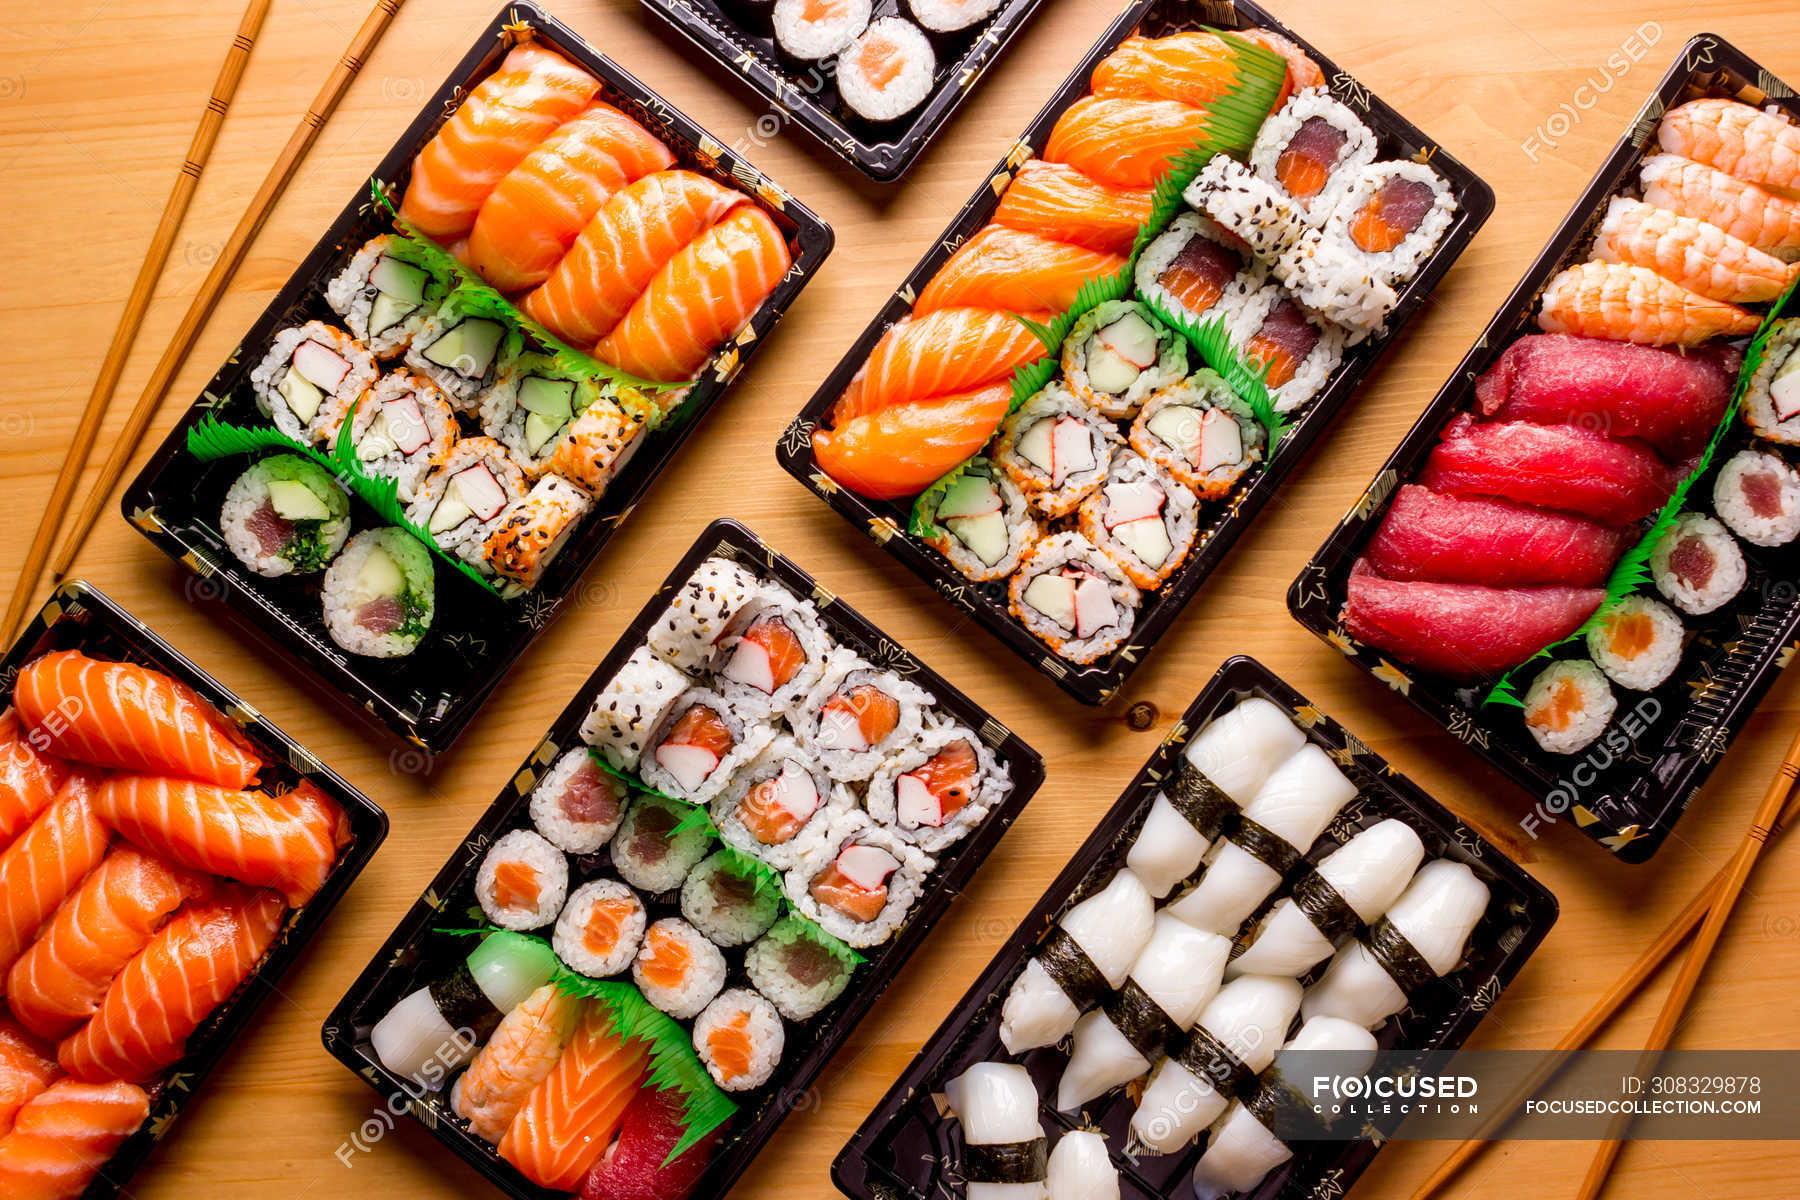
(1394, 677)
(1584, 816)
(1379, 489)
(883, 529)
(1623, 838)
(823, 596)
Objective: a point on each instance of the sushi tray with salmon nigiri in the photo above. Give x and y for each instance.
(874, 80)
(690, 892)
(165, 854)
(1080, 398)
(1582, 559)
(475, 376)
(1266, 886)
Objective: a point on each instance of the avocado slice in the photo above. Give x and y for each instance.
(301, 396)
(294, 501)
(380, 575)
(467, 347)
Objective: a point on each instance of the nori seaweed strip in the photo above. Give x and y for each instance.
(462, 1003)
(1324, 906)
(1200, 800)
(1276, 1103)
(1399, 957)
(1007, 1162)
(1070, 969)
(1270, 849)
(1210, 1059)
(1142, 1021)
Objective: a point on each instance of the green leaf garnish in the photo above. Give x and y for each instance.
(1213, 345)
(923, 522)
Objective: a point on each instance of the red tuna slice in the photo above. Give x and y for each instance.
(1669, 399)
(1460, 630)
(1473, 539)
(1553, 466)
(632, 1168)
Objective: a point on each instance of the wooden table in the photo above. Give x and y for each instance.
(97, 101)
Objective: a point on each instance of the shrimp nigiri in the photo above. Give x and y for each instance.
(65, 1135)
(1690, 252)
(28, 778)
(523, 1049)
(1769, 222)
(1751, 144)
(1635, 304)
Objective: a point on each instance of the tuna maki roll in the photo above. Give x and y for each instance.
(1295, 350)
(578, 805)
(1758, 496)
(308, 378)
(935, 793)
(981, 520)
(699, 746)
(797, 969)
(1247, 207)
(386, 292)
(740, 1038)
(1772, 403)
(1334, 280)
(887, 71)
(379, 594)
(677, 969)
(402, 428)
(532, 531)
(530, 407)
(649, 853)
(600, 929)
(285, 515)
(858, 716)
(1200, 432)
(460, 502)
(1392, 217)
(857, 880)
(1311, 151)
(780, 655)
(708, 608)
(630, 706)
(463, 349)
(1568, 705)
(522, 881)
(1637, 642)
(1056, 449)
(1117, 354)
(778, 798)
(730, 900)
(1141, 519)
(1197, 270)
(1697, 565)
(1073, 598)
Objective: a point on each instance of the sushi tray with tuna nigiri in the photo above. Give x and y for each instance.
(474, 377)
(1582, 559)
(165, 854)
(1084, 393)
(1266, 885)
(690, 892)
(874, 80)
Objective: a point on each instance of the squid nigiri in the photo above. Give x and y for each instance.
(1769, 222)
(523, 1049)
(1089, 953)
(1755, 146)
(1689, 252)
(1635, 304)
(65, 1135)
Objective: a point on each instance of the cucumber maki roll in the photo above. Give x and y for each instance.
(308, 377)
(1201, 433)
(463, 348)
(982, 521)
(1073, 598)
(1056, 449)
(1118, 354)
(797, 969)
(379, 594)
(461, 501)
(285, 515)
(729, 900)
(1142, 519)
(385, 293)
(858, 881)
(402, 428)
(530, 407)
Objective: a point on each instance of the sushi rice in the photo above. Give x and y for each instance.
(308, 378)
(380, 595)
(802, 36)
(1142, 519)
(796, 971)
(910, 795)
(462, 501)
(677, 969)
(600, 930)
(1304, 114)
(1772, 402)
(1335, 282)
(630, 705)
(1195, 268)
(1073, 598)
(983, 520)
(1757, 496)
(855, 862)
(1056, 449)
(533, 531)
(1359, 227)
(739, 1037)
(1697, 565)
(868, 80)
(385, 293)
(577, 805)
(1568, 705)
(950, 16)
(1312, 370)
(846, 723)
(1201, 432)
(597, 445)
(1637, 642)
(522, 881)
(1246, 206)
(752, 667)
(1118, 354)
(529, 409)
(285, 515)
(793, 797)
(730, 901)
(648, 853)
(463, 353)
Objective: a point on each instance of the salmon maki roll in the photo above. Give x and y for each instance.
(46, 862)
(858, 880)
(26, 1069)
(288, 842)
(29, 778)
(522, 1051)
(904, 448)
(940, 353)
(1055, 200)
(857, 717)
(775, 801)
(531, 94)
(1125, 142)
(65, 1135)
(1018, 272)
(569, 1118)
(701, 297)
(534, 213)
(1635, 304)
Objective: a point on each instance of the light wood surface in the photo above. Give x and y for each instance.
(96, 102)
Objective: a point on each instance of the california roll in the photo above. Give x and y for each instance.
(1073, 598)
(1200, 432)
(1142, 518)
(981, 520)
(1117, 354)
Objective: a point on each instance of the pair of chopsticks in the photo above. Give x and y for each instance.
(75, 461)
(1708, 912)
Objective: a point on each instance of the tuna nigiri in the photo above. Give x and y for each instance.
(522, 1051)
(527, 98)
(950, 350)
(568, 1119)
(1554, 466)
(701, 297)
(118, 714)
(286, 842)
(45, 863)
(1746, 142)
(1055, 200)
(1018, 272)
(26, 1068)
(1690, 252)
(620, 251)
(1122, 141)
(65, 1135)
(1769, 222)
(28, 778)
(1635, 304)
(534, 213)
(1477, 540)
(904, 448)
(637, 1166)
(59, 982)
(188, 969)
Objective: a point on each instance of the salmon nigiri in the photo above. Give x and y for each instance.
(950, 350)
(1735, 137)
(1744, 210)
(1019, 272)
(528, 96)
(1194, 67)
(523, 1049)
(28, 777)
(118, 714)
(188, 969)
(569, 1118)
(620, 251)
(527, 223)
(1699, 256)
(287, 842)
(45, 863)
(1054, 200)
(26, 1068)
(1634, 304)
(65, 1135)
(701, 297)
(1122, 141)
(903, 449)
(59, 982)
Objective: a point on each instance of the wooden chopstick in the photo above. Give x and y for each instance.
(142, 289)
(1616, 998)
(323, 105)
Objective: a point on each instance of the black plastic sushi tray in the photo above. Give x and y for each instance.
(1223, 521)
(1626, 790)
(78, 616)
(416, 951)
(908, 1148)
(431, 696)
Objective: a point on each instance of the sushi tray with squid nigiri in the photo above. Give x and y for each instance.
(1265, 885)
(1080, 398)
(1582, 560)
(165, 855)
(690, 892)
(475, 376)
(874, 80)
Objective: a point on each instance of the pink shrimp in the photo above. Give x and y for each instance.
(1753, 145)
(1769, 222)
(1635, 304)
(1698, 255)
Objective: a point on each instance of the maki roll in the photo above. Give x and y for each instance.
(779, 657)
(1334, 280)
(463, 350)
(577, 805)
(936, 791)
(1073, 598)
(1005, 1153)
(797, 969)
(1247, 207)
(523, 881)
(951, 16)
(460, 502)
(1056, 449)
(630, 705)
(310, 375)
(600, 929)
(707, 609)
(385, 293)
(1391, 217)
(285, 515)
(857, 880)
(1637, 642)
(1568, 705)
(1086, 956)
(402, 428)
(981, 521)
(1141, 519)
(656, 845)
(810, 31)
(739, 1037)
(677, 969)
(1758, 496)
(857, 717)
(1196, 269)
(1117, 354)
(1200, 432)
(1772, 402)
(729, 900)
(530, 407)
(533, 531)
(436, 1029)
(700, 743)
(597, 445)
(379, 594)
(887, 71)
(1295, 351)
(1697, 565)
(775, 801)
(1311, 150)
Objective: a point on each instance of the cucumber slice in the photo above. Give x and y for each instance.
(302, 397)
